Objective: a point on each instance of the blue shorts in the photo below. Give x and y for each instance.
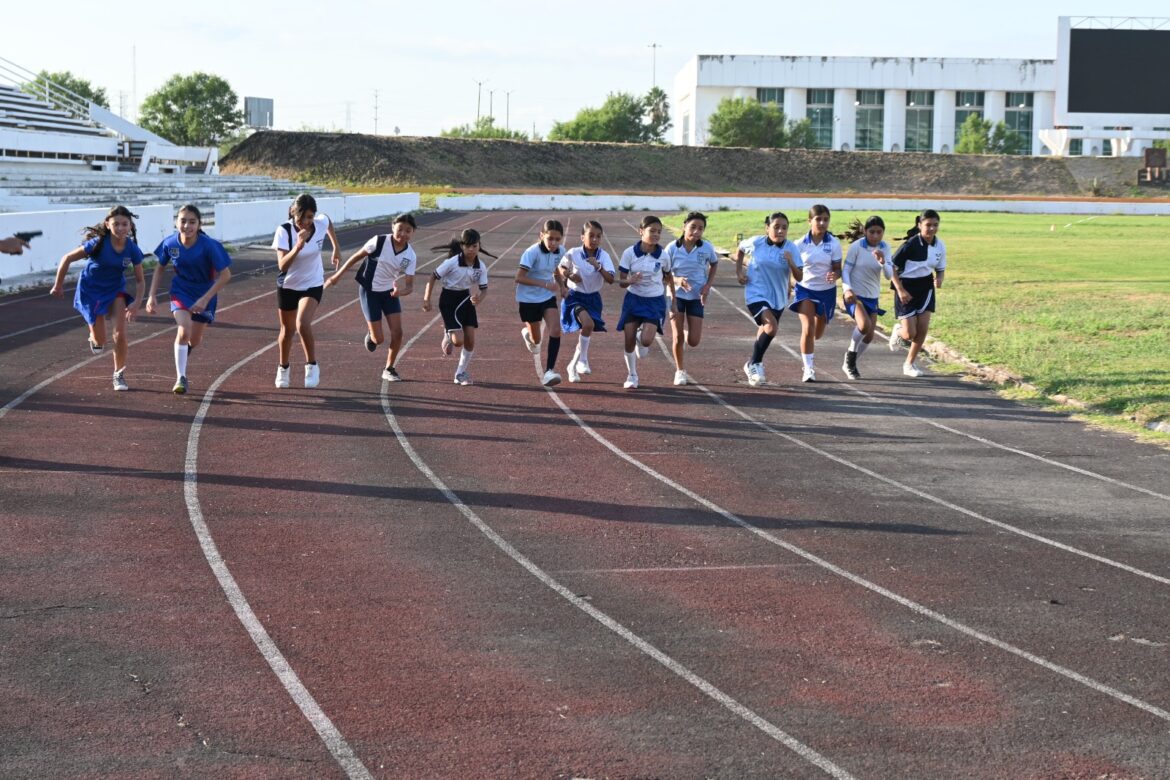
(870, 304)
(91, 307)
(377, 305)
(825, 301)
(182, 304)
(691, 308)
(639, 308)
(757, 309)
(575, 303)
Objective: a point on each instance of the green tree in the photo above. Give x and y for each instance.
(194, 110)
(747, 122)
(978, 136)
(73, 83)
(484, 128)
(622, 118)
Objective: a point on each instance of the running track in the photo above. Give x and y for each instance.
(884, 579)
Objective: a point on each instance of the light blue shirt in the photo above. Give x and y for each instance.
(541, 265)
(694, 265)
(767, 271)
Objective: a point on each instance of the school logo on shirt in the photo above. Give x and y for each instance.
(173, 252)
(125, 262)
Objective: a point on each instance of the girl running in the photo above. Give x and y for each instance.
(386, 274)
(816, 293)
(202, 267)
(458, 274)
(644, 272)
(861, 275)
(692, 262)
(775, 261)
(299, 284)
(537, 285)
(585, 269)
(922, 256)
(109, 247)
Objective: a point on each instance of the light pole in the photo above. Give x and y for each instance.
(491, 104)
(654, 47)
(508, 109)
(478, 96)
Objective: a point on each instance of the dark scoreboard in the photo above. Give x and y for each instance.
(1119, 71)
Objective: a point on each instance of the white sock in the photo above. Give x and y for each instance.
(464, 360)
(855, 341)
(632, 362)
(808, 360)
(583, 349)
(181, 359)
(861, 347)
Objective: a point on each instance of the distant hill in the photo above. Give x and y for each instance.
(371, 161)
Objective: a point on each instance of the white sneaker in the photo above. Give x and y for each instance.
(809, 375)
(120, 380)
(896, 339)
(760, 373)
(583, 367)
(912, 369)
(533, 347)
(390, 374)
(643, 351)
(282, 377)
(631, 382)
(550, 378)
(574, 373)
(680, 377)
(312, 375)
(753, 373)
(463, 378)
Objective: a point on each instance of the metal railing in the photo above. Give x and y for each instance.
(44, 89)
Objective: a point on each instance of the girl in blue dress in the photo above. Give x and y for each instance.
(101, 289)
(202, 268)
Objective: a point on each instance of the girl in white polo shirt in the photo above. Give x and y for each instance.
(464, 278)
(644, 272)
(774, 262)
(692, 262)
(922, 257)
(300, 282)
(585, 270)
(385, 276)
(537, 284)
(866, 262)
(815, 300)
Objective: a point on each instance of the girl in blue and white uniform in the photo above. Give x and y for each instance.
(298, 244)
(464, 278)
(775, 262)
(386, 275)
(692, 262)
(644, 272)
(815, 300)
(202, 267)
(101, 288)
(866, 262)
(537, 284)
(585, 270)
(922, 257)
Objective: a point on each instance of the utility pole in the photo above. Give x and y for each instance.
(478, 97)
(508, 109)
(491, 103)
(375, 112)
(654, 47)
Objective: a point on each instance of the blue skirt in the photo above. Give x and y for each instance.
(590, 302)
(825, 300)
(92, 307)
(870, 304)
(639, 309)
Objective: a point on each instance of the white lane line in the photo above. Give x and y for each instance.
(854, 578)
(334, 741)
(712, 692)
(67, 294)
(1079, 221)
(987, 442)
(687, 569)
(37, 327)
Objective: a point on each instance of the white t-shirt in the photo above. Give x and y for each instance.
(818, 260)
(591, 279)
(384, 271)
(651, 265)
(461, 277)
(306, 270)
(861, 272)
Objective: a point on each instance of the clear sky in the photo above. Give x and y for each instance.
(323, 62)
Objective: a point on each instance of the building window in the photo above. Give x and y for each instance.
(770, 95)
(1018, 117)
(966, 104)
(870, 119)
(1076, 147)
(919, 120)
(820, 116)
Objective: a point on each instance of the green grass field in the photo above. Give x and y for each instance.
(1075, 306)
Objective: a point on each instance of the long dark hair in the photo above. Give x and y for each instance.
(856, 229)
(304, 202)
(101, 230)
(924, 214)
(455, 246)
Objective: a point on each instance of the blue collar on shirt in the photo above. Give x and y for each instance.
(828, 239)
(585, 253)
(679, 243)
(656, 253)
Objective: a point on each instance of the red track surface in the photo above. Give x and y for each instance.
(805, 578)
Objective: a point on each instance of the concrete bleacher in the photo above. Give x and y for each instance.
(22, 111)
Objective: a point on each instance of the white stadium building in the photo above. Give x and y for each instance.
(1102, 95)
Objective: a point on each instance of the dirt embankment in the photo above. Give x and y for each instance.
(594, 167)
